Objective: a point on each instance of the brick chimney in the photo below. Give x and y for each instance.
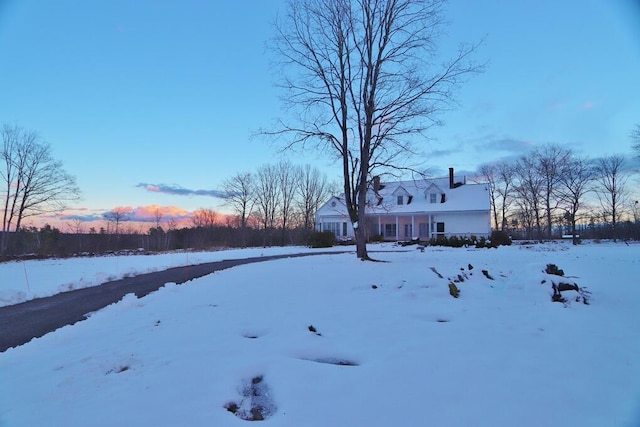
(451, 184)
(376, 183)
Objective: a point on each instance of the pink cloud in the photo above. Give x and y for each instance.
(153, 211)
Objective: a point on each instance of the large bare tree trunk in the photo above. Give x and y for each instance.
(361, 243)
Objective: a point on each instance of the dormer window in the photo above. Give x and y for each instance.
(433, 198)
(402, 196)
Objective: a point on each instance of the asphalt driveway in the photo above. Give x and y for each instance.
(20, 323)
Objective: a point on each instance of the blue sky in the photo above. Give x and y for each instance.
(137, 95)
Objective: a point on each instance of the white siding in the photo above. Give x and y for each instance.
(465, 223)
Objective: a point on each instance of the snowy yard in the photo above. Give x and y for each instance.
(333, 341)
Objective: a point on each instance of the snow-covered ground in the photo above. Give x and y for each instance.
(391, 346)
(25, 280)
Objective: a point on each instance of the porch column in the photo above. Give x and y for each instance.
(413, 226)
(380, 227)
(397, 229)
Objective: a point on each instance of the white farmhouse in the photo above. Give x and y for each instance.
(415, 209)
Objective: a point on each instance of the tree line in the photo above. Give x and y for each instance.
(552, 191)
(276, 198)
(47, 241)
(275, 205)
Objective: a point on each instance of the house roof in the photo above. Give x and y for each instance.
(462, 198)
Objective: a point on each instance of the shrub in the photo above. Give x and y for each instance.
(456, 242)
(499, 238)
(442, 241)
(322, 239)
(376, 238)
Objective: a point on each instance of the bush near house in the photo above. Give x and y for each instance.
(453, 241)
(498, 238)
(376, 238)
(322, 239)
(481, 243)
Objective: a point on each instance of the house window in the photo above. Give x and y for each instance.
(333, 227)
(390, 230)
(344, 228)
(439, 227)
(408, 231)
(433, 198)
(400, 200)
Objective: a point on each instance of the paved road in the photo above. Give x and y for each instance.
(20, 323)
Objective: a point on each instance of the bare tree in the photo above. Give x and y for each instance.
(488, 174)
(239, 195)
(204, 218)
(313, 190)
(505, 172)
(157, 231)
(76, 226)
(117, 216)
(529, 189)
(635, 210)
(635, 138)
(498, 177)
(157, 216)
(362, 81)
(611, 188)
(550, 164)
(33, 181)
(573, 186)
(15, 141)
(288, 177)
(267, 197)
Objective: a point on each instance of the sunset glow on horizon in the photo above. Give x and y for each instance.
(137, 219)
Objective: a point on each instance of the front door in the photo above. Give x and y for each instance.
(422, 228)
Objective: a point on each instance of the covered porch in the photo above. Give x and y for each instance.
(394, 227)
